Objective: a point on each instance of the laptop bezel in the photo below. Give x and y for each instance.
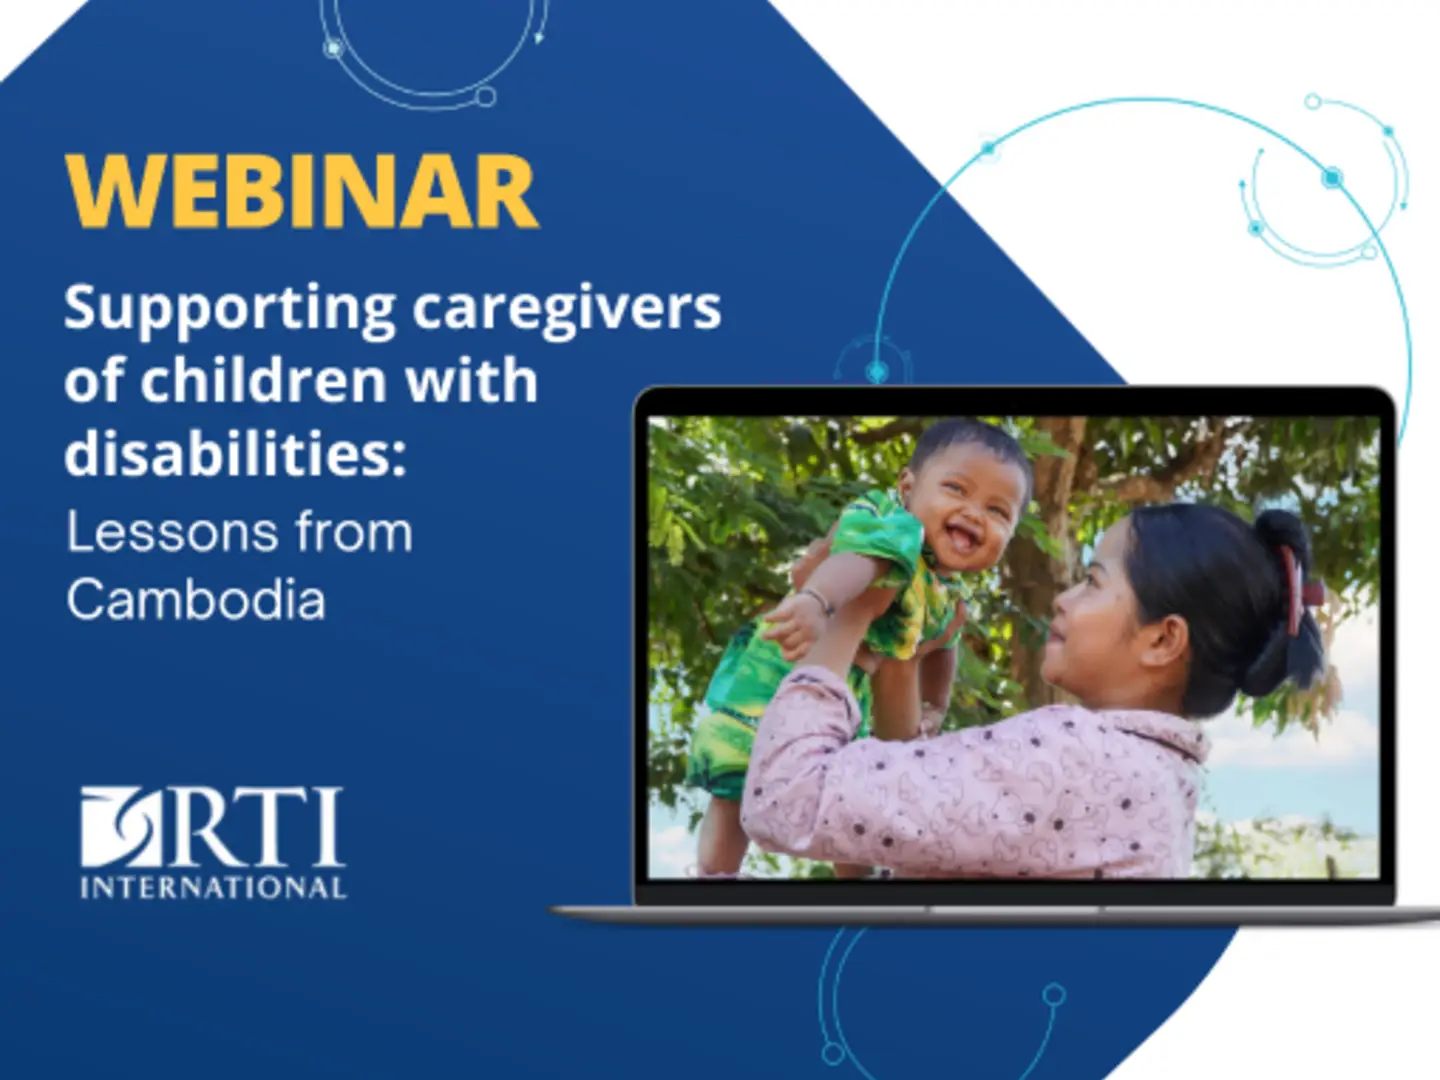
(1107, 401)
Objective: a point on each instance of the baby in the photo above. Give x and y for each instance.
(954, 510)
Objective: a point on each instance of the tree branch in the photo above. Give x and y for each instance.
(1086, 470)
(905, 425)
(1197, 461)
(704, 622)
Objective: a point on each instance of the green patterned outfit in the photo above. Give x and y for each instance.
(752, 668)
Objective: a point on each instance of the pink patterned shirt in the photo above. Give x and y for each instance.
(1059, 792)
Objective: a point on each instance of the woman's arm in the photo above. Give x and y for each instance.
(906, 690)
(897, 701)
(939, 663)
(987, 801)
(937, 677)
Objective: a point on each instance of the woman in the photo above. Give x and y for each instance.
(1182, 607)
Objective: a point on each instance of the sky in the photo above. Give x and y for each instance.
(1251, 773)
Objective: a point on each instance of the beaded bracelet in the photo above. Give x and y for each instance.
(825, 605)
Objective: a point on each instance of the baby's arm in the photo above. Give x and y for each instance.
(798, 621)
(873, 541)
(844, 576)
(800, 573)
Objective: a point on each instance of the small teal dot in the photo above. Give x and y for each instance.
(1332, 177)
(877, 371)
(987, 148)
(1388, 131)
(1257, 228)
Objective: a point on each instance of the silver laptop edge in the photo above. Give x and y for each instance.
(992, 916)
(1001, 916)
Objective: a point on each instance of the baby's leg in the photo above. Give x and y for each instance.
(723, 842)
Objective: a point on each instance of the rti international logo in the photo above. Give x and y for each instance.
(198, 843)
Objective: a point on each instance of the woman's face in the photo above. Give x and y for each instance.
(1095, 647)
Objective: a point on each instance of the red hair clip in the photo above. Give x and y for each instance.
(1300, 596)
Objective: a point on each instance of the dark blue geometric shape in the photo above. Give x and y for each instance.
(429, 706)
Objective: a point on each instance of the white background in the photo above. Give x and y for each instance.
(24, 24)
(1129, 219)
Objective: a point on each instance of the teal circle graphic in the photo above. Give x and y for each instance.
(1312, 101)
(1333, 178)
(880, 365)
(479, 93)
(835, 1049)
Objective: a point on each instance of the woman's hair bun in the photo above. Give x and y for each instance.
(1301, 658)
(1227, 578)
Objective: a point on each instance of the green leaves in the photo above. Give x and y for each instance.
(671, 524)
(732, 502)
(1039, 444)
(1033, 529)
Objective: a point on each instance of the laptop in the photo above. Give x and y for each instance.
(732, 485)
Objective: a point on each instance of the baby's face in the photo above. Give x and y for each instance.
(969, 502)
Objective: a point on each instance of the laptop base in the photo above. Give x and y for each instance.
(1008, 916)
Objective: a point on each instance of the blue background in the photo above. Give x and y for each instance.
(473, 698)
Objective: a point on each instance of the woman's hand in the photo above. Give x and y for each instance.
(866, 660)
(932, 718)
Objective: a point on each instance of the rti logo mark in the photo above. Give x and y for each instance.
(125, 829)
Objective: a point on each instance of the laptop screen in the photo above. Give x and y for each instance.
(1011, 647)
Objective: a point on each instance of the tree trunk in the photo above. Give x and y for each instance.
(1035, 579)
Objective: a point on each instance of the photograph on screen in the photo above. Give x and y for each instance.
(1013, 647)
